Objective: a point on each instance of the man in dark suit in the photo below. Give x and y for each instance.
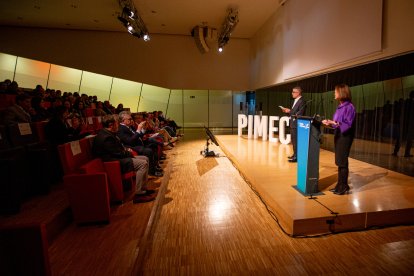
(298, 109)
(133, 139)
(108, 146)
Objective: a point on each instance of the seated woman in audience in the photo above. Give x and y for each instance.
(161, 124)
(79, 108)
(68, 109)
(99, 109)
(153, 129)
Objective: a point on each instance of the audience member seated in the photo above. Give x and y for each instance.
(149, 135)
(39, 113)
(119, 108)
(19, 112)
(38, 91)
(151, 127)
(68, 108)
(133, 139)
(55, 105)
(3, 87)
(79, 108)
(99, 109)
(108, 108)
(56, 129)
(168, 122)
(50, 95)
(162, 125)
(13, 88)
(77, 130)
(108, 146)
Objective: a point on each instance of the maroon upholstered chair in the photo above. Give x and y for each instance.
(71, 159)
(118, 183)
(88, 196)
(24, 250)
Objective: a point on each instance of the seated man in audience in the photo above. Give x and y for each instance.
(132, 139)
(20, 111)
(108, 146)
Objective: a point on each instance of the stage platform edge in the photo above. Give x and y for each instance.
(327, 213)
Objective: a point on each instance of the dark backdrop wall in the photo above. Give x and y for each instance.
(385, 110)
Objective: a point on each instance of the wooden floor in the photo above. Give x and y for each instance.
(208, 221)
(107, 249)
(213, 223)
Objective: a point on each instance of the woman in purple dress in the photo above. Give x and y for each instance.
(344, 124)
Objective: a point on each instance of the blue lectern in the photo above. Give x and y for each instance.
(308, 154)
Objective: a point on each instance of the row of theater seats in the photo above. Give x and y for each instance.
(91, 186)
(28, 165)
(91, 183)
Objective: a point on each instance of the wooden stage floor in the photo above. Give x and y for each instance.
(378, 197)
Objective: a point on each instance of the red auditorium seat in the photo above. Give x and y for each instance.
(89, 112)
(21, 134)
(7, 100)
(39, 153)
(38, 129)
(120, 184)
(116, 180)
(74, 154)
(24, 250)
(88, 196)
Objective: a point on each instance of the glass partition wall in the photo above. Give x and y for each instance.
(189, 108)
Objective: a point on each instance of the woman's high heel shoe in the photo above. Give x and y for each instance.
(333, 190)
(344, 191)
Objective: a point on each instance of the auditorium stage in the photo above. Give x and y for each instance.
(378, 197)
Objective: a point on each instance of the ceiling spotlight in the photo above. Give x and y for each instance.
(146, 37)
(131, 20)
(227, 28)
(220, 49)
